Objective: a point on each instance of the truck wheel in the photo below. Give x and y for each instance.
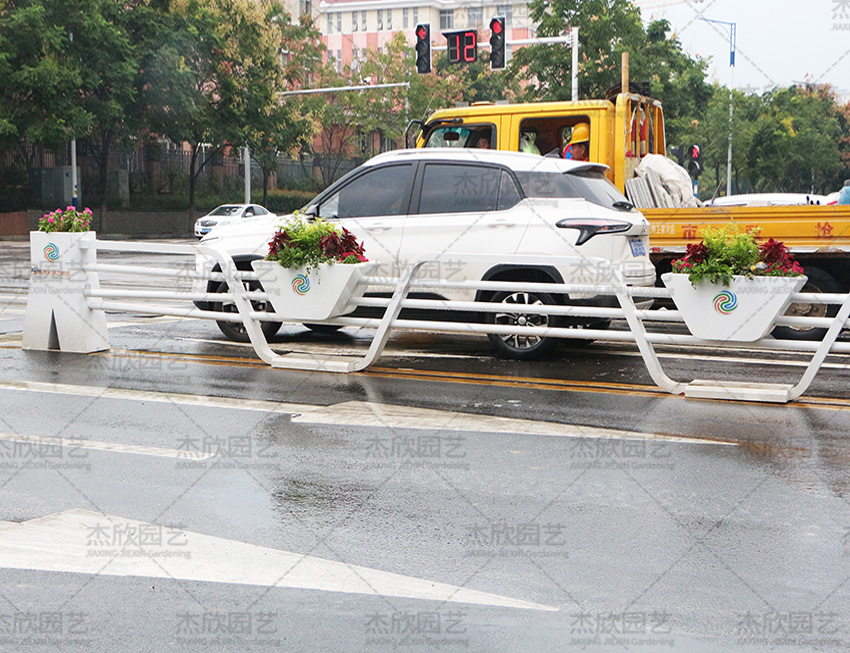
(236, 330)
(819, 282)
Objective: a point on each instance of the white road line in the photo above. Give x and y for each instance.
(365, 414)
(72, 443)
(78, 541)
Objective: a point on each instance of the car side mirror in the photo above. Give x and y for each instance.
(312, 212)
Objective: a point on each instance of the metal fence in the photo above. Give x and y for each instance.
(643, 325)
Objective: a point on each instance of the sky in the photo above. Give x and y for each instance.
(779, 42)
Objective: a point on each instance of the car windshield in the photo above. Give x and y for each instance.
(226, 210)
(449, 137)
(591, 185)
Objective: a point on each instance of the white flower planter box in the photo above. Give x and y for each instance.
(743, 311)
(325, 292)
(58, 314)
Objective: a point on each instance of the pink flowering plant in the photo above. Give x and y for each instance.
(307, 244)
(68, 219)
(728, 251)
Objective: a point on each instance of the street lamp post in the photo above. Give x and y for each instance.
(74, 200)
(733, 39)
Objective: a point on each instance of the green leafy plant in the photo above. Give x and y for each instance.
(68, 219)
(728, 251)
(300, 243)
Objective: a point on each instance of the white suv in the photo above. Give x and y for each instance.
(406, 203)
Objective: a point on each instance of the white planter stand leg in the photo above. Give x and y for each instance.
(58, 314)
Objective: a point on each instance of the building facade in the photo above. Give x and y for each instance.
(350, 27)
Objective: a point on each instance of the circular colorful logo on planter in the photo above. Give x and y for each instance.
(300, 285)
(725, 302)
(51, 252)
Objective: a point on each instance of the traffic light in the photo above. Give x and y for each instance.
(694, 162)
(423, 48)
(497, 43)
(679, 153)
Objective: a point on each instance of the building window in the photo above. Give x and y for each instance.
(306, 7)
(507, 11)
(353, 21)
(330, 23)
(387, 144)
(405, 18)
(339, 61)
(447, 19)
(364, 143)
(389, 18)
(475, 17)
(363, 20)
(416, 15)
(339, 21)
(380, 19)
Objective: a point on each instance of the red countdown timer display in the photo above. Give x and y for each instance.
(462, 46)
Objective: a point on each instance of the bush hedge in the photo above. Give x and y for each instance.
(284, 202)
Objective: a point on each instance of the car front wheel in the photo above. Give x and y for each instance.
(519, 311)
(236, 331)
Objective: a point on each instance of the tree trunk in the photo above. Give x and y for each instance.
(103, 178)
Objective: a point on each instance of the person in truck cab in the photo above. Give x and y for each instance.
(578, 149)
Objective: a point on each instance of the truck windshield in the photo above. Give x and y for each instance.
(591, 185)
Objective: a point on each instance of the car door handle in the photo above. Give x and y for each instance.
(500, 223)
(378, 227)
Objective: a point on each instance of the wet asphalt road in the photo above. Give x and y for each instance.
(687, 525)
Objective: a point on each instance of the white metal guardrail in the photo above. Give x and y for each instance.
(66, 309)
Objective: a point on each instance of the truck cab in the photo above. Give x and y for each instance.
(623, 129)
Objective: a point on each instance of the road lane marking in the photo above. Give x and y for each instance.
(367, 414)
(70, 541)
(361, 413)
(73, 443)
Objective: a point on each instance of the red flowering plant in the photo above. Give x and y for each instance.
(728, 251)
(68, 219)
(299, 244)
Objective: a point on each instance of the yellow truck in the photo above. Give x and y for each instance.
(624, 128)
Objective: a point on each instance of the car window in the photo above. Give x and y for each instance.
(225, 210)
(249, 212)
(378, 192)
(259, 210)
(591, 185)
(509, 195)
(468, 136)
(450, 188)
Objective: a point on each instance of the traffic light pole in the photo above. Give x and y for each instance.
(733, 39)
(571, 40)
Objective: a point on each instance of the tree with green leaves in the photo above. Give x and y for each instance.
(42, 81)
(216, 71)
(284, 125)
(607, 29)
(346, 116)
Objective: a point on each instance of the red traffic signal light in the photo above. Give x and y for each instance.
(694, 165)
(497, 43)
(423, 48)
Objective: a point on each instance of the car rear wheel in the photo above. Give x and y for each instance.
(236, 331)
(519, 311)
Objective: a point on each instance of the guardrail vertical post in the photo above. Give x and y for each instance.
(58, 313)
